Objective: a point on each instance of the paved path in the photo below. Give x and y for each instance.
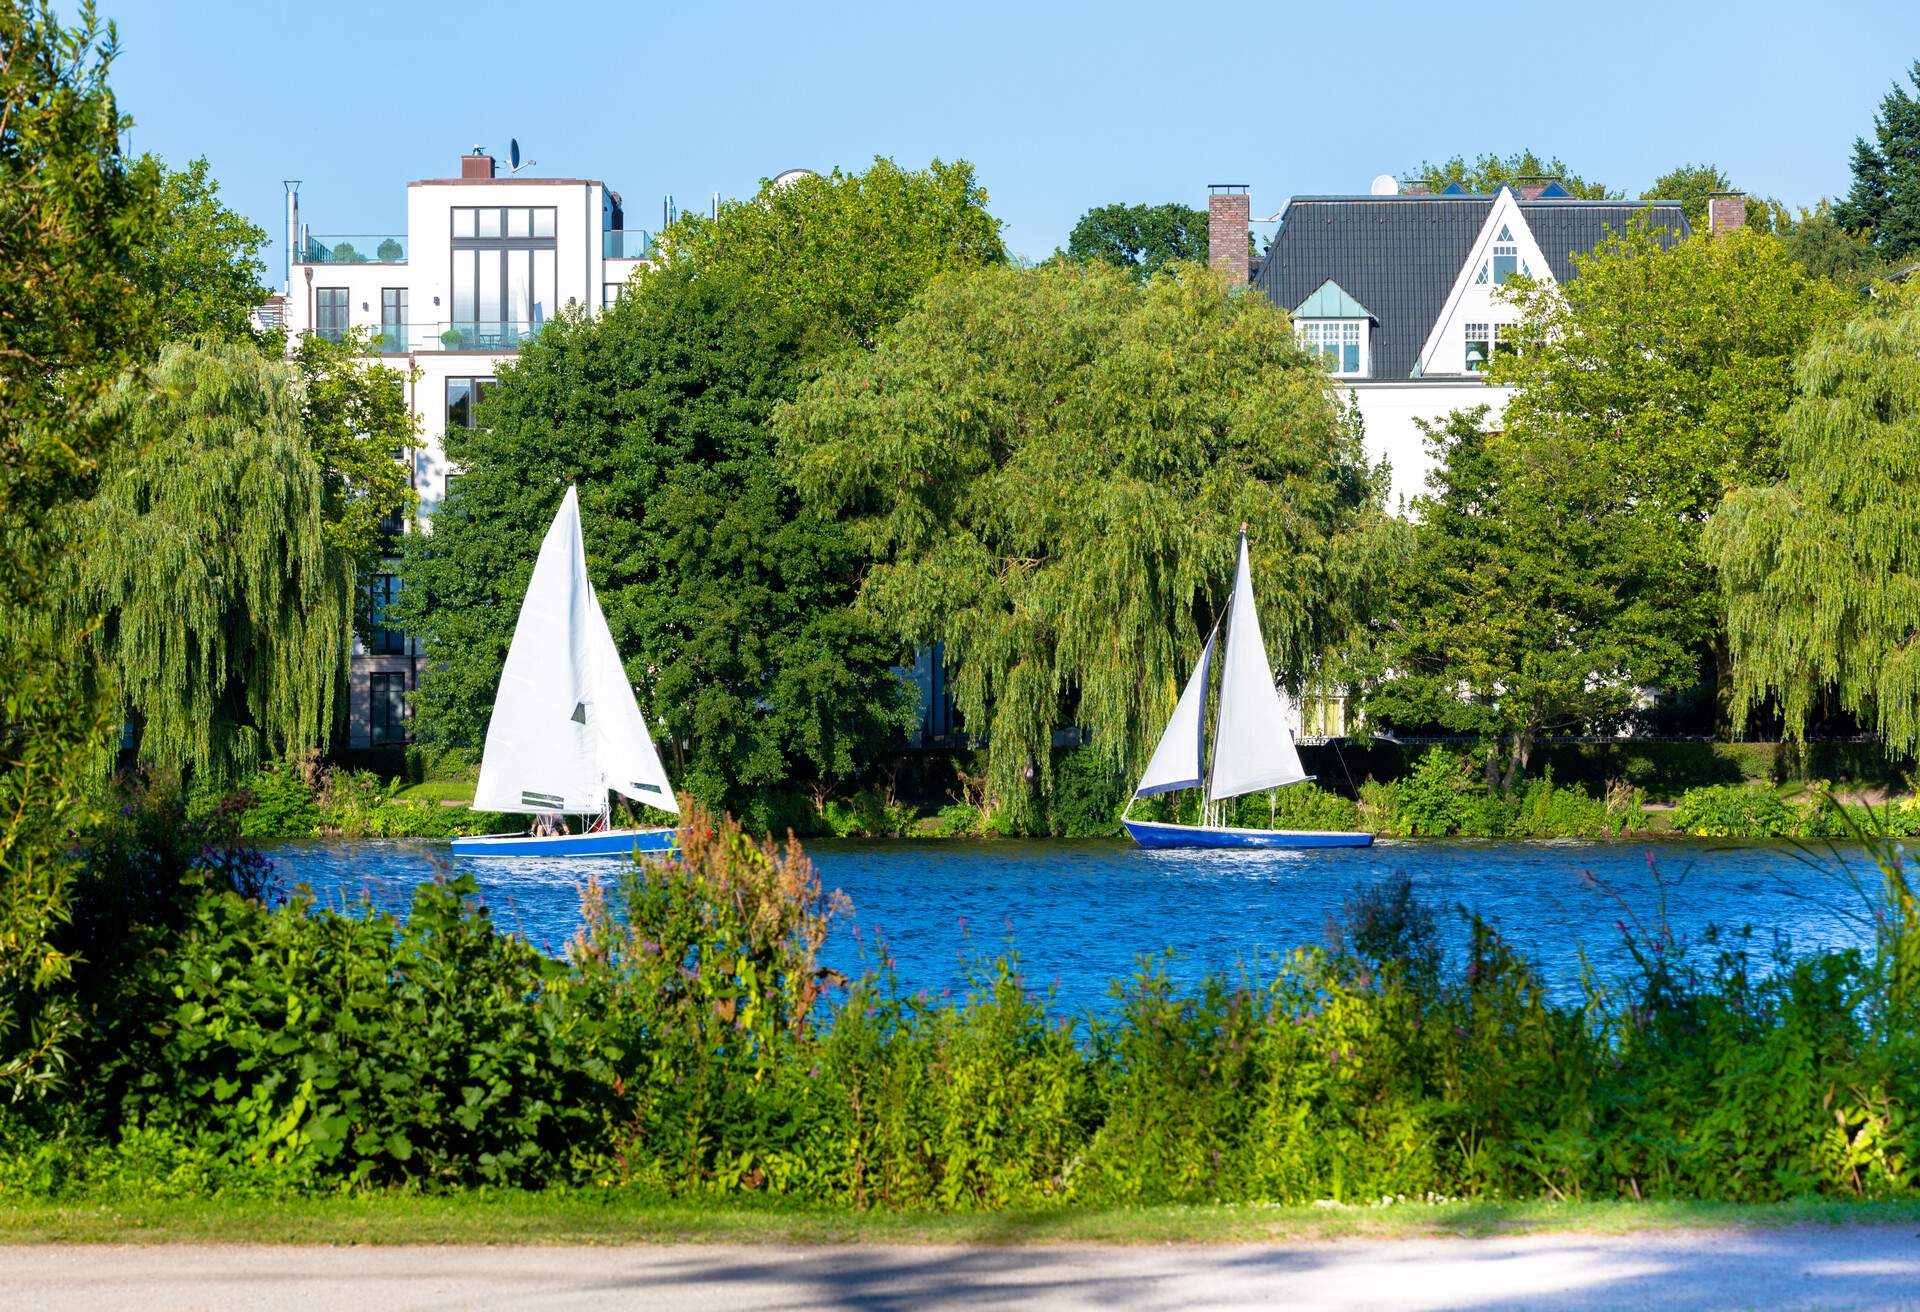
(1842, 1267)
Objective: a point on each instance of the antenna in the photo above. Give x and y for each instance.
(513, 157)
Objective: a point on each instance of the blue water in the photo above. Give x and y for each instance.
(1082, 913)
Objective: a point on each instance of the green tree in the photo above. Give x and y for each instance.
(729, 601)
(1667, 366)
(845, 252)
(1050, 467)
(74, 210)
(1488, 173)
(1533, 597)
(1142, 238)
(200, 269)
(354, 413)
(1691, 185)
(1884, 203)
(1826, 250)
(219, 608)
(1821, 570)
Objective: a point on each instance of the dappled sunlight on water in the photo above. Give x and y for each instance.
(1083, 913)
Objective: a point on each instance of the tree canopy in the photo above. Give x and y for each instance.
(1884, 202)
(1488, 173)
(199, 269)
(1050, 467)
(845, 252)
(1142, 238)
(728, 599)
(220, 608)
(1821, 570)
(1691, 185)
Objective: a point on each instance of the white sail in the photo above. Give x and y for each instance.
(565, 725)
(1180, 759)
(1253, 741)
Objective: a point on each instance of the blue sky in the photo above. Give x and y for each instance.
(1060, 107)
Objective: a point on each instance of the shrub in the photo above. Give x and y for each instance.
(278, 803)
(1088, 794)
(1734, 811)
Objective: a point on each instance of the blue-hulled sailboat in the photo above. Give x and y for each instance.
(1253, 745)
(566, 730)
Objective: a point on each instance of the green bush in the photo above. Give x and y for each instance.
(1088, 794)
(278, 804)
(1444, 795)
(1735, 811)
(867, 814)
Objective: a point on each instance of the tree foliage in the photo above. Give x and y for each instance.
(1821, 570)
(199, 269)
(1488, 173)
(729, 601)
(354, 413)
(222, 611)
(1141, 238)
(1050, 467)
(73, 212)
(1884, 202)
(1666, 366)
(1824, 249)
(1533, 597)
(1691, 185)
(845, 252)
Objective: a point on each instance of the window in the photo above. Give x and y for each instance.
(393, 318)
(609, 293)
(1483, 340)
(330, 318)
(1506, 260)
(463, 399)
(383, 639)
(503, 274)
(1340, 343)
(387, 715)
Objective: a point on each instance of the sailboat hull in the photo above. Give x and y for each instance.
(614, 842)
(1154, 834)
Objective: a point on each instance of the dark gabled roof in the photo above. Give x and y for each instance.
(1399, 255)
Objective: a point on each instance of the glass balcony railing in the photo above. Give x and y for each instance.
(630, 244)
(354, 248)
(393, 339)
(475, 335)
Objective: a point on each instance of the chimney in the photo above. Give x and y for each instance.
(479, 164)
(1726, 211)
(1229, 213)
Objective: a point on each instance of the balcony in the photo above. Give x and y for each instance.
(630, 244)
(475, 335)
(353, 248)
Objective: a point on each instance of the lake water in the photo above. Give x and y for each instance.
(1082, 913)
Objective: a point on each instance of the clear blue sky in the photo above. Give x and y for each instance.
(1059, 106)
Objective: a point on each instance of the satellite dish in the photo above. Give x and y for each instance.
(791, 176)
(1385, 185)
(513, 153)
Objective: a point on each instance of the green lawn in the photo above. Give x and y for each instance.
(570, 1218)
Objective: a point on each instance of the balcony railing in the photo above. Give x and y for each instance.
(445, 335)
(630, 244)
(353, 248)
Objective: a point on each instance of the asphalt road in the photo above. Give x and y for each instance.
(1826, 1268)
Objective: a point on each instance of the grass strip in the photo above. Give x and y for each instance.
(483, 1217)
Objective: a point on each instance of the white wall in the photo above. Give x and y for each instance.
(1390, 411)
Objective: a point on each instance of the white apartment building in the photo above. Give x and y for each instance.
(483, 262)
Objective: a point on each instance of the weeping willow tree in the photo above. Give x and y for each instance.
(1821, 571)
(1049, 469)
(221, 614)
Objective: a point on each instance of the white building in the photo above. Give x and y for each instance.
(483, 262)
(1397, 290)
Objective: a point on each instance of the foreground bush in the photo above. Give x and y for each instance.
(692, 1044)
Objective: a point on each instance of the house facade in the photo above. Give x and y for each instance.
(483, 262)
(1397, 290)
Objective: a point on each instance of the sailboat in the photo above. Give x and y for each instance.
(1253, 747)
(566, 731)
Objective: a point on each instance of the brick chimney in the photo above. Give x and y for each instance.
(477, 165)
(1726, 211)
(1229, 214)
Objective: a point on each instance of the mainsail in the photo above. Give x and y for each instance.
(1253, 742)
(565, 725)
(1180, 759)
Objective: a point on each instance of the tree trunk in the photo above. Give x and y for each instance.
(1521, 753)
(1722, 688)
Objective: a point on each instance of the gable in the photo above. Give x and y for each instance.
(1331, 301)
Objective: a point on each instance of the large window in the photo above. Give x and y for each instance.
(1506, 260)
(1483, 341)
(393, 318)
(463, 399)
(1341, 344)
(383, 639)
(503, 274)
(387, 714)
(330, 317)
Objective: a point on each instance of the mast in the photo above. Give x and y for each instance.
(1226, 638)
